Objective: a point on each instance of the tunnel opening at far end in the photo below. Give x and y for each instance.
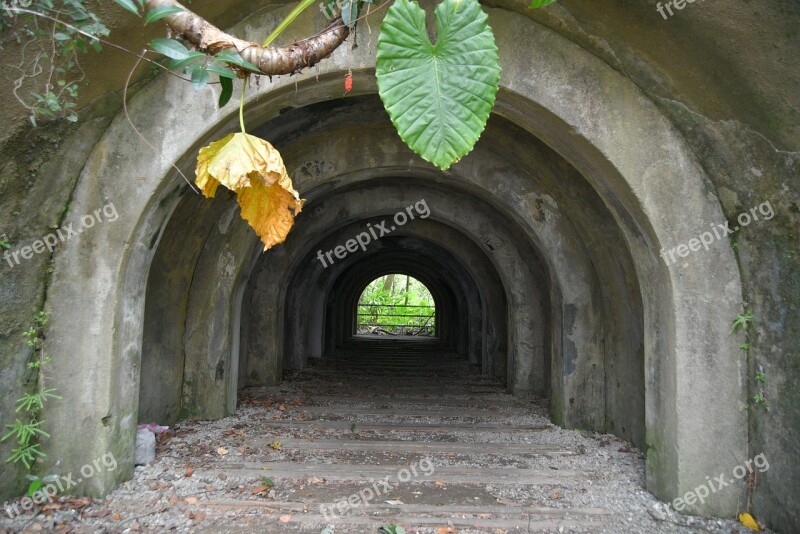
(396, 305)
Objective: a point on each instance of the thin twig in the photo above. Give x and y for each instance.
(135, 129)
(54, 50)
(326, 30)
(100, 39)
(35, 68)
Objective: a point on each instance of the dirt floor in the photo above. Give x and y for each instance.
(424, 444)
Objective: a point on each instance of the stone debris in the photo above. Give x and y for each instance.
(145, 447)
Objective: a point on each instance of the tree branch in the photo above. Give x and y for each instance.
(271, 61)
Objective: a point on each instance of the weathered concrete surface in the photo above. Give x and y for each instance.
(211, 370)
(651, 63)
(163, 349)
(687, 363)
(37, 176)
(750, 172)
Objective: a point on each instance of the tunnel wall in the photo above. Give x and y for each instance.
(163, 348)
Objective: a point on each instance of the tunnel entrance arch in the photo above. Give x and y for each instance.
(614, 138)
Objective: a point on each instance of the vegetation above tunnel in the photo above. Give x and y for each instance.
(439, 117)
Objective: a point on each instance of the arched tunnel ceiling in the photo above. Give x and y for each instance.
(445, 277)
(469, 282)
(695, 58)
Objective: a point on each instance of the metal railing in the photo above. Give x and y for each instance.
(374, 319)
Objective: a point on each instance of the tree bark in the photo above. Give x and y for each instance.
(388, 284)
(271, 61)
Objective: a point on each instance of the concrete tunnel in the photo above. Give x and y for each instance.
(567, 325)
(542, 248)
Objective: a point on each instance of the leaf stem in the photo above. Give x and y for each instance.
(302, 6)
(241, 106)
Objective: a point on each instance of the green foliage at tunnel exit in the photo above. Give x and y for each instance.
(396, 304)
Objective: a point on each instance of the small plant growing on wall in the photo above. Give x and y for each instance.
(744, 323)
(27, 428)
(759, 398)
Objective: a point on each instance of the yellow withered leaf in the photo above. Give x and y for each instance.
(749, 521)
(207, 183)
(270, 210)
(254, 170)
(236, 160)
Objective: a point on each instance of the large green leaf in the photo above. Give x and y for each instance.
(439, 96)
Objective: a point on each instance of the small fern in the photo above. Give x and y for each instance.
(743, 322)
(27, 429)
